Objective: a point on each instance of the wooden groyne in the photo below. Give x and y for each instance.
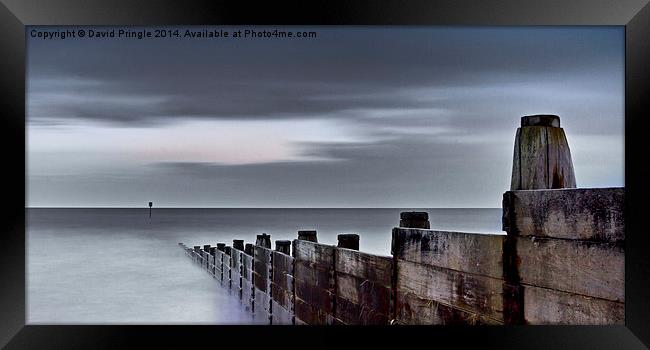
(561, 260)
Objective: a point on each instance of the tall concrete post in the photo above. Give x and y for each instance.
(542, 159)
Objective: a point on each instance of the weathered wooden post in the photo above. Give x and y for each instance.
(414, 219)
(348, 240)
(308, 236)
(238, 244)
(249, 249)
(283, 246)
(227, 250)
(542, 159)
(221, 247)
(263, 240)
(197, 251)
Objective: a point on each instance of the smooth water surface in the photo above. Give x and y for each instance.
(109, 266)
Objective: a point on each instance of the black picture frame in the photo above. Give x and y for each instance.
(16, 14)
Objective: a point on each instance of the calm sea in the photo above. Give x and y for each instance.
(99, 266)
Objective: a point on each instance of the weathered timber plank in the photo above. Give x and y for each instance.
(414, 310)
(533, 157)
(351, 313)
(280, 315)
(261, 305)
(361, 301)
(261, 276)
(316, 276)
(365, 266)
(235, 280)
(546, 306)
(283, 281)
(218, 264)
(306, 314)
(315, 294)
(282, 296)
(262, 254)
(282, 262)
(262, 300)
(282, 285)
(473, 293)
(218, 255)
(235, 259)
(247, 267)
(247, 293)
(313, 272)
(225, 265)
(582, 267)
(365, 293)
(588, 214)
(235, 268)
(311, 252)
(474, 253)
(262, 268)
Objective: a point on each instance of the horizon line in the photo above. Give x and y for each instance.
(166, 207)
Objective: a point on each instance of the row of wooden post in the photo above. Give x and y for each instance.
(269, 278)
(345, 240)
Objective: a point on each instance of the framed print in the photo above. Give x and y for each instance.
(210, 174)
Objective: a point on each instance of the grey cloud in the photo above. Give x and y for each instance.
(416, 171)
(433, 111)
(341, 71)
(401, 171)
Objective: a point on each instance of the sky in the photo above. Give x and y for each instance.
(408, 117)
